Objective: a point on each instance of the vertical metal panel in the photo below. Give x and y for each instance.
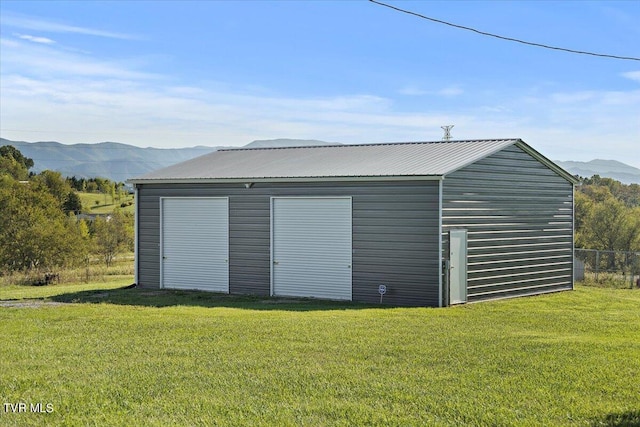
(136, 236)
(312, 247)
(249, 241)
(573, 240)
(519, 217)
(194, 243)
(440, 257)
(395, 243)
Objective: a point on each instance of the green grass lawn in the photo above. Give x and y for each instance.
(105, 356)
(104, 203)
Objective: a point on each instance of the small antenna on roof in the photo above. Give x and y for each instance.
(447, 132)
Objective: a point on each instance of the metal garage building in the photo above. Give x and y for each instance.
(438, 223)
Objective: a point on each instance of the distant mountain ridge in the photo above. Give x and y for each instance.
(112, 160)
(119, 162)
(605, 168)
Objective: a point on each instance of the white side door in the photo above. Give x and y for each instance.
(457, 266)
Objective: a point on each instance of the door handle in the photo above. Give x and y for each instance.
(275, 262)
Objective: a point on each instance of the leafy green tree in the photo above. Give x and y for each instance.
(55, 184)
(103, 184)
(87, 242)
(607, 214)
(582, 206)
(13, 163)
(91, 187)
(13, 169)
(11, 152)
(610, 226)
(112, 191)
(113, 235)
(631, 195)
(598, 188)
(603, 225)
(104, 187)
(34, 233)
(630, 239)
(596, 193)
(72, 203)
(78, 184)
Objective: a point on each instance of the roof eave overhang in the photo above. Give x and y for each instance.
(138, 181)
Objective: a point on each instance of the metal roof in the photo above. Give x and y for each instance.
(428, 160)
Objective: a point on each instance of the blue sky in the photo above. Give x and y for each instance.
(177, 74)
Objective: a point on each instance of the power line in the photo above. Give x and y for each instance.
(462, 27)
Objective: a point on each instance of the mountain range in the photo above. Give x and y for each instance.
(605, 168)
(119, 162)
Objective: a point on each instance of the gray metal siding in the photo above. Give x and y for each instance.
(519, 218)
(249, 244)
(395, 235)
(395, 243)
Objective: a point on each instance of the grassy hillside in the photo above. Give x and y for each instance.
(102, 204)
(104, 356)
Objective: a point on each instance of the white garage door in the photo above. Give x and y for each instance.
(195, 243)
(311, 253)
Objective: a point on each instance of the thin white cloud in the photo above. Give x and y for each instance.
(35, 39)
(412, 90)
(39, 24)
(451, 91)
(572, 97)
(8, 43)
(51, 60)
(632, 75)
(630, 98)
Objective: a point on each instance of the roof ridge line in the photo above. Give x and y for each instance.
(370, 144)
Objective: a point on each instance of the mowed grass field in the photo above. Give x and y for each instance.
(98, 355)
(98, 203)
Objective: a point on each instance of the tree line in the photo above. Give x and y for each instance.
(607, 215)
(39, 230)
(97, 185)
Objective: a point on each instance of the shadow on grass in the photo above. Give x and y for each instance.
(626, 419)
(168, 298)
